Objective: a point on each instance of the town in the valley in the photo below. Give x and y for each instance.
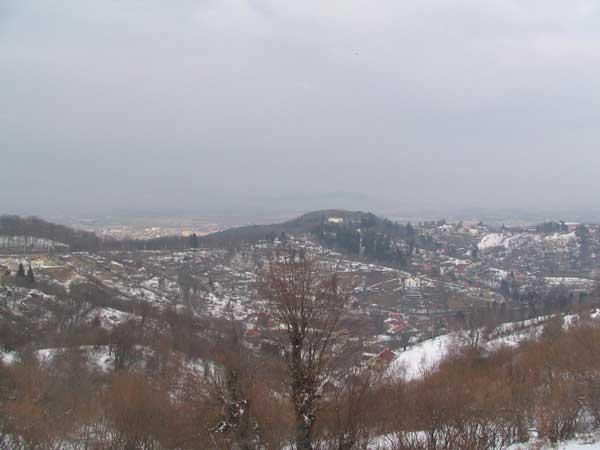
(407, 283)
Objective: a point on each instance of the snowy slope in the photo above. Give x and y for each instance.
(423, 357)
(426, 356)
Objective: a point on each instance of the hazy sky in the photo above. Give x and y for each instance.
(187, 104)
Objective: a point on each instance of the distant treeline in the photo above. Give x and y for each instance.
(552, 227)
(77, 240)
(80, 240)
(161, 243)
(359, 233)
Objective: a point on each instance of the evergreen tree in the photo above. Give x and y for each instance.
(583, 234)
(410, 230)
(194, 240)
(21, 271)
(30, 276)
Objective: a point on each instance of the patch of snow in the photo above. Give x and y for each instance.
(423, 357)
(491, 240)
(562, 238)
(584, 283)
(8, 358)
(110, 317)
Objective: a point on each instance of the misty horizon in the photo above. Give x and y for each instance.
(205, 106)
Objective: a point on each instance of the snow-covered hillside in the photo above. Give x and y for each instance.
(426, 356)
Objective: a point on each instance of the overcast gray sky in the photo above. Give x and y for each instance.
(187, 104)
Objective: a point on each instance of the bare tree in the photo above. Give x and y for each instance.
(308, 303)
(122, 344)
(231, 386)
(350, 409)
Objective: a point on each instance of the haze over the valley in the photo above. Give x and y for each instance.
(299, 224)
(230, 104)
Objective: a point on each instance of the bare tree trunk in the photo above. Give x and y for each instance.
(303, 401)
(308, 303)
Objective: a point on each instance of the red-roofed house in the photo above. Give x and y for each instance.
(387, 355)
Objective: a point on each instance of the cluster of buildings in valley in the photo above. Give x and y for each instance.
(143, 233)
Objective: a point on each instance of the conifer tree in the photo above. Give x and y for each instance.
(30, 276)
(194, 240)
(21, 271)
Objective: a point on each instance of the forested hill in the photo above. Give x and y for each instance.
(306, 223)
(79, 240)
(76, 240)
(312, 223)
(353, 232)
